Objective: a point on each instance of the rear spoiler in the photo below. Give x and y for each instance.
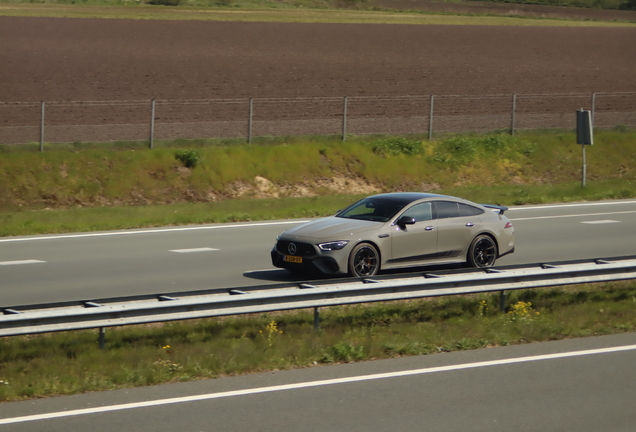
(496, 208)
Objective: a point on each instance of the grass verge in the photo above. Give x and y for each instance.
(92, 188)
(267, 14)
(71, 362)
(130, 217)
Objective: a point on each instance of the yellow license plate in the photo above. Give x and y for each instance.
(294, 259)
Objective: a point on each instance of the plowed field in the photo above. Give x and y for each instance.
(108, 59)
(60, 59)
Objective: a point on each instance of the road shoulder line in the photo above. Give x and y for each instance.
(318, 383)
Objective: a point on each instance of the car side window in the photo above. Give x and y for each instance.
(468, 210)
(446, 209)
(420, 212)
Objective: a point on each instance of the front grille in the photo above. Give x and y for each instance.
(302, 249)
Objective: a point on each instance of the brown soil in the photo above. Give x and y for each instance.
(56, 59)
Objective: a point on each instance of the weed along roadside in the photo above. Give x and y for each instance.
(113, 186)
(71, 362)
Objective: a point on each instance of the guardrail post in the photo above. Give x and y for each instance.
(102, 338)
(316, 318)
(502, 301)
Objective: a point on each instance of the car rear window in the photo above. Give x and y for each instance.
(468, 210)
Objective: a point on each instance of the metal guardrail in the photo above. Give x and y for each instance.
(203, 304)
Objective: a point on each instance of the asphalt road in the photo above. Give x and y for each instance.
(583, 385)
(44, 269)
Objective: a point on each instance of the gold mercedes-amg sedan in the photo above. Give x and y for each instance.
(394, 230)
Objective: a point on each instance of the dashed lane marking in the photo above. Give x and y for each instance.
(571, 216)
(8, 263)
(195, 250)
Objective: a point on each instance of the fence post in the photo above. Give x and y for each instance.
(42, 127)
(152, 123)
(502, 301)
(514, 114)
(344, 119)
(316, 318)
(430, 120)
(249, 124)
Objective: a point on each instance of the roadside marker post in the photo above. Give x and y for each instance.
(584, 136)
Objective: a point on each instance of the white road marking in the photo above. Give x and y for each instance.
(7, 263)
(204, 249)
(163, 230)
(247, 225)
(598, 222)
(571, 215)
(584, 204)
(310, 384)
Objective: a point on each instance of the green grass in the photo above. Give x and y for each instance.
(273, 12)
(590, 4)
(115, 186)
(71, 362)
(127, 217)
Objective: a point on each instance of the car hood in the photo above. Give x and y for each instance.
(332, 228)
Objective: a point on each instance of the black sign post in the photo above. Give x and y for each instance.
(584, 135)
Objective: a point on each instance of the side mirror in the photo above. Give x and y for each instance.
(404, 221)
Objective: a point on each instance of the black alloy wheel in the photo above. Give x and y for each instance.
(482, 252)
(364, 260)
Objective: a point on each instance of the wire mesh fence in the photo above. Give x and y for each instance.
(103, 121)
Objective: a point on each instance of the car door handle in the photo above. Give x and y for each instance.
(470, 224)
(429, 228)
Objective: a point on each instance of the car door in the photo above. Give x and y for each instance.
(457, 225)
(416, 242)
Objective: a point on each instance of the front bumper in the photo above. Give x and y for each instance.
(318, 263)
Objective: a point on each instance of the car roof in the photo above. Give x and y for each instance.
(408, 197)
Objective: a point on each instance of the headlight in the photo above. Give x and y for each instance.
(335, 245)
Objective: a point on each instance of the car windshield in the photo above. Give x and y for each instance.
(371, 209)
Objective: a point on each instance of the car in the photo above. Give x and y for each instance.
(397, 230)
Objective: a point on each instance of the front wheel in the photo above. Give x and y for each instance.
(482, 252)
(364, 260)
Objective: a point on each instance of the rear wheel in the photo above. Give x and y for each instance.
(482, 252)
(364, 260)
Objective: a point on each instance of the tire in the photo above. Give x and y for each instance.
(364, 260)
(482, 252)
